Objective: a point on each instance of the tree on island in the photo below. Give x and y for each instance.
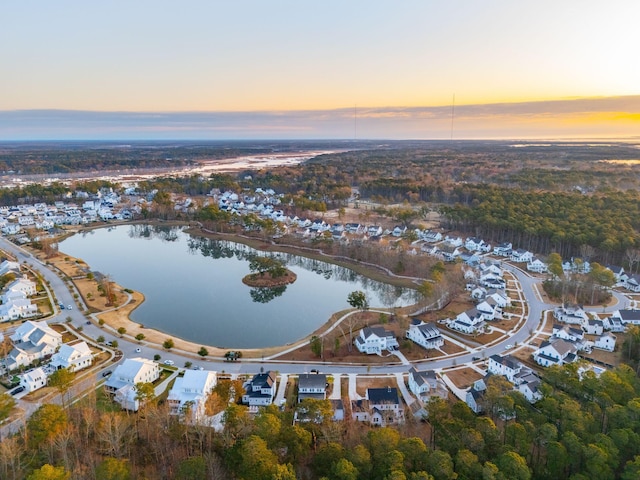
(272, 266)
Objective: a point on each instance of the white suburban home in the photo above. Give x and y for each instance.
(627, 317)
(17, 308)
(521, 256)
(8, 266)
(536, 265)
(124, 378)
(312, 385)
(32, 341)
(475, 396)
(375, 340)
(72, 357)
(23, 285)
(573, 314)
(555, 352)
(593, 326)
(384, 406)
(632, 283)
(606, 342)
(33, 380)
(506, 366)
(474, 244)
(567, 332)
(503, 249)
(530, 388)
(425, 384)
(189, 394)
(427, 335)
(468, 322)
(260, 390)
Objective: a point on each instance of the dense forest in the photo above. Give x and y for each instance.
(543, 197)
(585, 427)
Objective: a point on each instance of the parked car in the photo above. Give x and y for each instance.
(168, 362)
(61, 306)
(17, 390)
(107, 373)
(138, 350)
(69, 307)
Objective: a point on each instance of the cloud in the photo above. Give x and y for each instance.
(605, 116)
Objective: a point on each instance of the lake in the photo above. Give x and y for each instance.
(193, 286)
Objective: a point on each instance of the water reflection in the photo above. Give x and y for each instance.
(266, 294)
(196, 291)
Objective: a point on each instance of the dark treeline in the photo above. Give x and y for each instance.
(545, 221)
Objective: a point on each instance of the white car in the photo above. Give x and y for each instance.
(68, 307)
(508, 347)
(168, 362)
(138, 350)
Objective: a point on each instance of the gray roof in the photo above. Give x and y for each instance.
(312, 380)
(422, 377)
(383, 395)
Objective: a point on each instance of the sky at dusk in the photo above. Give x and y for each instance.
(208, 69)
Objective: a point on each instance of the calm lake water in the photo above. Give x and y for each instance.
(193, 286)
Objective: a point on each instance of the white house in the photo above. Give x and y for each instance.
(573, 314)
(566, 332)
(627, 317)
(453, 241)
(468, 322)
(593, 327)
(432, 236)
(427, 335)
(190, 393)
(124, 378)
(426, 384)
(33, 380)
(555, 352)
(73, 357)
(23, 285)
(632, 283)
(375, 340)
(260, 390)
(474, 244)
(530, 388)
(503, 249)
(32, 341)
(17, 308)
(498, 296)
(475, 396)
(8, 266)
(312, 385)
(521, 256)
(606, 342)
(384, 406)
(507, 366)
(536, 265)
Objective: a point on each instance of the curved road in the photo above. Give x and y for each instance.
(249, 366)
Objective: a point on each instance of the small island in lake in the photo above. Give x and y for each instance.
(268, 272)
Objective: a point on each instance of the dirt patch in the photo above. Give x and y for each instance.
(463, 377)
(363, 383)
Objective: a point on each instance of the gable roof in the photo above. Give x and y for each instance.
(388, 395)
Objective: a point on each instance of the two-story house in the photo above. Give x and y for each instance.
(427, 335)
(189, 394)
(260, 390)
(312, 385)
(374, 340)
